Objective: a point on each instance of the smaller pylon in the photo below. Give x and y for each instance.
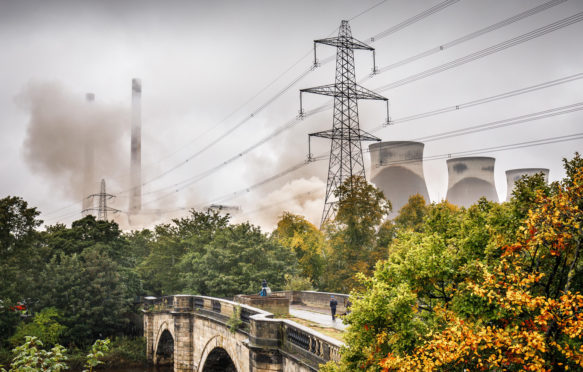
(102, 209)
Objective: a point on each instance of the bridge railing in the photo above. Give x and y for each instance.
(311, 345)
(160, 304)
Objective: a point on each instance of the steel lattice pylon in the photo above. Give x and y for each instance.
(345, 150)
(103, 208)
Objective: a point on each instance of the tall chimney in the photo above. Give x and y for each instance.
(136, 148)
(88, 158)
(513, 175)
(471, 178)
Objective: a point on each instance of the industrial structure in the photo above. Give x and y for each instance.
(136, 149)
(346, 150)
(88, 157)
(513, 175)
(102, 208)
(397, 170)
(469, 179)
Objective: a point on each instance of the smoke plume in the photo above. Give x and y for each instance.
(73, 142)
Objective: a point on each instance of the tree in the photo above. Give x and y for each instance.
(21, 258)
(477, 291)
(235, 261)
(305, 241)
(352, 236)
(411, 215)
(173, 245)
(92, 292)
(45, 326)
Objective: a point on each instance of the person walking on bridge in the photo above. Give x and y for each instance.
(333, 304)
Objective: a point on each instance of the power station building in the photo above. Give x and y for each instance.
(397, 170)
(469, 179)
(513, 175)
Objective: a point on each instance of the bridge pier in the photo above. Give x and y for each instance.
(149, 334)
(264, 341)
(183, 345)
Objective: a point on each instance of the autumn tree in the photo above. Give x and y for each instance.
(411, 214)
(477, 291)
(352, 236)
(305, 241)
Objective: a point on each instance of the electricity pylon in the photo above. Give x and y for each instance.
(345, 151)
(102, 209)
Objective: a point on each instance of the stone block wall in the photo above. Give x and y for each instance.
(273, 304)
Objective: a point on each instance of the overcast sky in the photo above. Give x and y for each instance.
(206, 66)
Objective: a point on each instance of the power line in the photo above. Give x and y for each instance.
(513, 146)
(482, 101)
(473, 35)
(387, 32)
(485, 52)
(412, 20)
(438, 136)
(294, 121)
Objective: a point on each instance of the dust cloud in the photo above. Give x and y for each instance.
(74, 142)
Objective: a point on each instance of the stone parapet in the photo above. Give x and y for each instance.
(279, 306)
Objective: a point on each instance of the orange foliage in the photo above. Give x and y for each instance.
(534, 326)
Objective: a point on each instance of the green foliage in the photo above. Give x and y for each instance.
(411, 215)
(30, 357)
(306, 241)
(98, 351)
(235, 321)
(235, 261)
(92, 292)
(21, 257)
(352, 236)
(172, 245)
(297, 283)
(436, 265)
(45, 326)
(126, 350)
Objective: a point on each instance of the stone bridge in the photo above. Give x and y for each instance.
(205, 334)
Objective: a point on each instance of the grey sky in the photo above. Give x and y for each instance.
(201, 60)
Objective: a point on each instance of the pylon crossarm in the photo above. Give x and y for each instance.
(365, 136)
(325, 90)
(345, 135)
(344, 42)
(363, 93)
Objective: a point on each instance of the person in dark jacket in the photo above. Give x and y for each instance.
(263, 291)
(333, 304)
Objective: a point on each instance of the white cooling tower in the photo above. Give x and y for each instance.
(397, 170)
(513, 175)
(469, 179)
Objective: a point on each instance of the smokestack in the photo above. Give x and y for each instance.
(470, 178)
(513, 175)
(136, 148)
(88, 159)
(397, 170)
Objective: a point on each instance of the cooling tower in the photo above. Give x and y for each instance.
(136, 148)
(397, 170)
(513, 175)
(88, 159)
(469, 179)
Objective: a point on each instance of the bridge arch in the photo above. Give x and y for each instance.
(164, 344)
(219, 351)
